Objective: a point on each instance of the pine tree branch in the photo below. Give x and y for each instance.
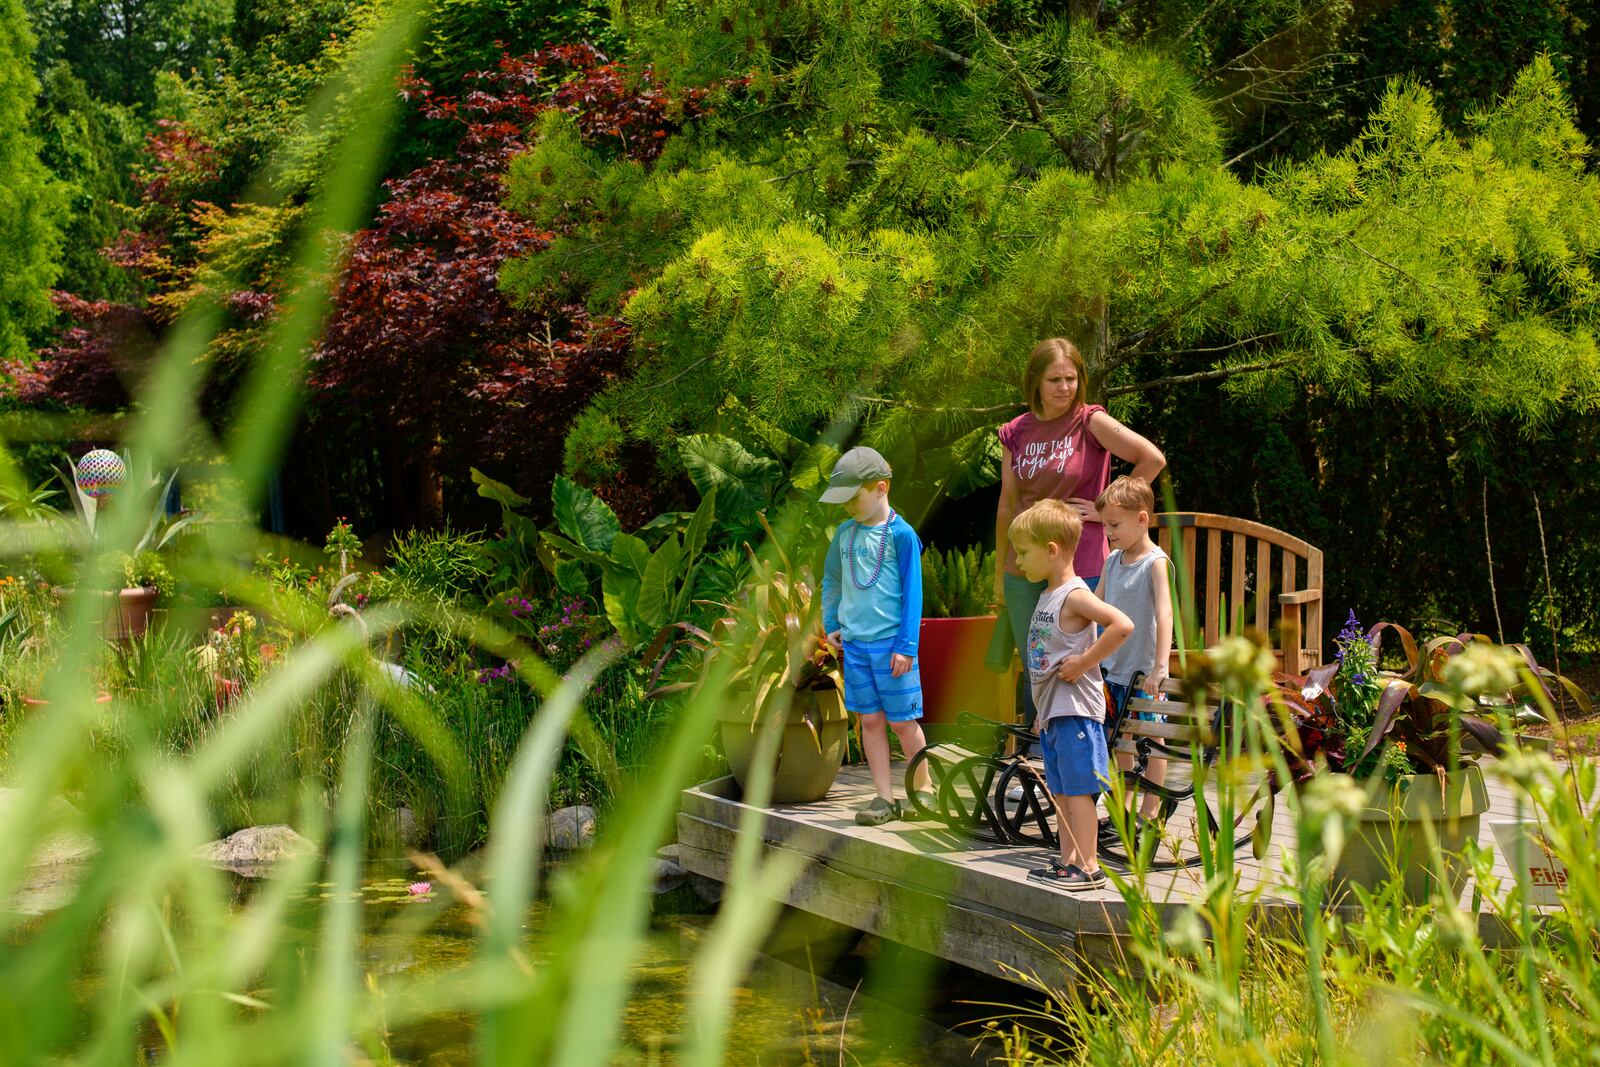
(1142, 339)
(814, 166)
(923, 409)
(1212, 375)
(1248, 152)
(675, 377)
(1297, 25)
(1031, 98)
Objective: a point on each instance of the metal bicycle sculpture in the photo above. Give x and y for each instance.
(1002, 797)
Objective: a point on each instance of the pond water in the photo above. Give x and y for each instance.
(817, 997)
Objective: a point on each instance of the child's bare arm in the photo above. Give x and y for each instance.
(1161, 594)
(1115, 627)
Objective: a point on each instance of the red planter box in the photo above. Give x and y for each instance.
(950, 655)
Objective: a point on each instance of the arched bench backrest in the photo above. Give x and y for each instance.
(1235, 570)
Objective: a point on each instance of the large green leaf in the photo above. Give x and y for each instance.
(694, 538)
(575, 550)
(620, 592)
(499, 492)
(744, 482)
(582, 516)
(658, 590)
(628, 554)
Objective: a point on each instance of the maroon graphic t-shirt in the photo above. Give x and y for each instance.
(1057, 459)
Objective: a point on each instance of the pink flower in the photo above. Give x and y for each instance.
(420, 889)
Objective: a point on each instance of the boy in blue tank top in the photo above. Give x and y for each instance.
(872, 612)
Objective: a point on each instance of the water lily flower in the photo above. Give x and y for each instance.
(420, 889)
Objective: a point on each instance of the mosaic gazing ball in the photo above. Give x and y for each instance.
(101, 472)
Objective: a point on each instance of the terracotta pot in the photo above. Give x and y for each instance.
(808, 762)
(132, 613)
(1393, 832)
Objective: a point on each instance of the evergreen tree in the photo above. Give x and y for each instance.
(908, 194)
(30, 201)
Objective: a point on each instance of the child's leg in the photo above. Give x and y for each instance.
(875, 742)
(909, 733)
(1156, 771)
(1069, 843)
(1078, 825)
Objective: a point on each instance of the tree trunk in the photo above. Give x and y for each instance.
(430, 482)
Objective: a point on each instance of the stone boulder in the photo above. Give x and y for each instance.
(571, 828)
(253, 850)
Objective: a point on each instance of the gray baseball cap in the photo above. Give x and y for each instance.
(855, 467)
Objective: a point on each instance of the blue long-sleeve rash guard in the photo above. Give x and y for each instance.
(891, 606)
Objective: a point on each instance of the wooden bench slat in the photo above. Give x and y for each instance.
(1240, 566)
(1167, 730)
(1213, 584)
(1263, 586)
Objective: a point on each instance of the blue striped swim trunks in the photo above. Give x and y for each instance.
(870, 686)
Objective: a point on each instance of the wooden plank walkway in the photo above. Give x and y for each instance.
(968, 901)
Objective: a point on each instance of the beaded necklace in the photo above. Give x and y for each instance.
(883, 548)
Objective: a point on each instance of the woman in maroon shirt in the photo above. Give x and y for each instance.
(1060, 448)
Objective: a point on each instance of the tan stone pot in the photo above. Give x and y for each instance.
(1392, 835)
(808, 760)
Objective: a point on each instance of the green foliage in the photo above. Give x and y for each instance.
(644, 590)
(92, 148)
(30, 200)
(119, 50)
(147, 570)
(439, 566)
(957, 584)
(519, 554)
(592, 453)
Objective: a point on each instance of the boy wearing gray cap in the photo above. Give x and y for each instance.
(872, 612)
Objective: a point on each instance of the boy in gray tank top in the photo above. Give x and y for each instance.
(1135, 581)
(1062, 652)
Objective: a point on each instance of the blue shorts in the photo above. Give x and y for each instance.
(870, 686)
(1076, 763)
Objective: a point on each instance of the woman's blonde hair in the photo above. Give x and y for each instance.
(1040, 360)
(1047, 521)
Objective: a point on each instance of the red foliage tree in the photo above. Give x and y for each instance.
(421, 334)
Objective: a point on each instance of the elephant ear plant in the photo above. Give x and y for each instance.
(772, 631)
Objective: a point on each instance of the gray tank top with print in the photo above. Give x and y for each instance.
(1047, 647)
(1127, 587)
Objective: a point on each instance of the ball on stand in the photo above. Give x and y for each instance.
(100, 473)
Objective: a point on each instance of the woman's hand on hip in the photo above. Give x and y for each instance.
(1084, 507)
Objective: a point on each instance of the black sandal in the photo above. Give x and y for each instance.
(1069, 876)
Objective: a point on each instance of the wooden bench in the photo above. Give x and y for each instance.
(1231, 569)
(1225, 564)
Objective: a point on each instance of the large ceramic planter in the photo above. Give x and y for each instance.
(133, 612)
(1394, 832)
(808, 762)
(950, 659)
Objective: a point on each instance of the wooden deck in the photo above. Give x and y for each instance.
(939, 891)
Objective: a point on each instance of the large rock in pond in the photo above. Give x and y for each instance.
(253, 850)
(571, 828)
